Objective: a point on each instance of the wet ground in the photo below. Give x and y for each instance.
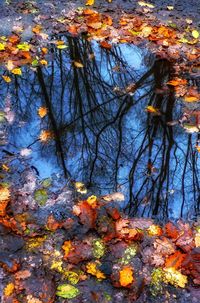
(118, 118)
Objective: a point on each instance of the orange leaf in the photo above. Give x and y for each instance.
(177, 81)
(171, 230)
(67, 247)
(105, 44)
(42, 111)
(175, 260)
(126, 276)
(37, 29)
(191, 98)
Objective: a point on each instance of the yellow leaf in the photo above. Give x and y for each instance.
(16, 71)
(42, 111)
(6, 79)
(153, 110)
(197, 239)
(24, 46)
(126, 276)
(174, 277)
(198, 148)
(2, 46)
(195, 34)
(5, 167)
(78, 64)
(154, 230)
(191, 99)
(80, 187)
(91, 268)
(92, 200)
(43, 62)
(170, 7)
(142, 3)
(4, 194)
(9, 289)
(89, 2)
(62, 46)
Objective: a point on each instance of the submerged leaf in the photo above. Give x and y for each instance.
(41, 196)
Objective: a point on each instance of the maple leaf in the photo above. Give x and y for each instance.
(86, 213)
(126, 276)
(171, 230)
(164, 246)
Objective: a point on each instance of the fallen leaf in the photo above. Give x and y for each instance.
(89, 2)
(78, 64)
(9, 289)
(126, 276)
(195, 34)
(175, 260)
(92, 269)
(16, 71)
(153, 110)
(6, 79)
(142, 3)
(67, 291)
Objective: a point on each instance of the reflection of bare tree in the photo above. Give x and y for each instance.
(102, 134)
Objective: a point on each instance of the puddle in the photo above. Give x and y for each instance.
(102, 134)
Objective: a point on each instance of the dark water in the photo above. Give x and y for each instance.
(102, 134)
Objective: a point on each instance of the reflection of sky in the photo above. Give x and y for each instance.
(79, 154)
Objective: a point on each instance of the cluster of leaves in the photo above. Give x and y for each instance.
(99, 243)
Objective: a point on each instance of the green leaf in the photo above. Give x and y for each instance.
(41, 196)
(67, 291)
(2, 117)
(46, 182)
(35, 63)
